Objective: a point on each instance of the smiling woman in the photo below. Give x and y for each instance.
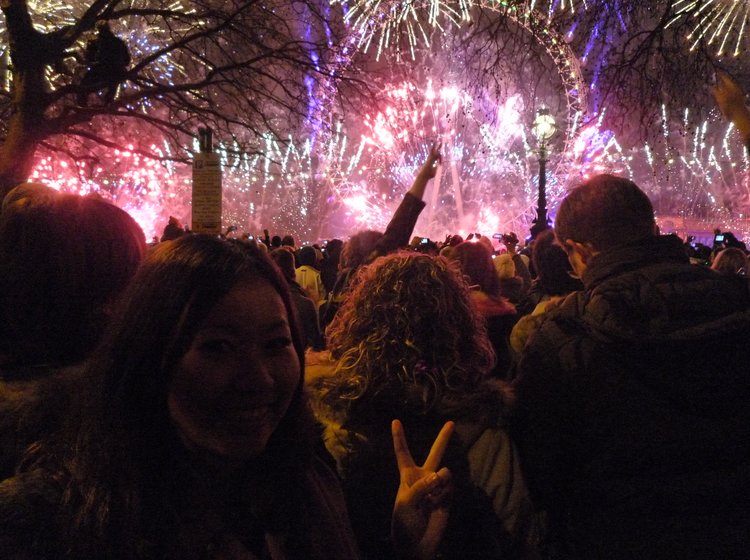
(198, 444)
(196, 441)
(234, 384)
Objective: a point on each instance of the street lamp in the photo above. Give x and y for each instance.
(543, 128)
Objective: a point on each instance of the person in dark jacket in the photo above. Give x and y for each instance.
(554, 280)
(107, 59)
(305, 307)
(329, 268)
(475, 262)
(365, 246)
(632, 418)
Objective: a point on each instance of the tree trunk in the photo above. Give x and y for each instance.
(17, 153)
(26, 130)
(27, 126)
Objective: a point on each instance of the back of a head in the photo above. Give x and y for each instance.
(358, 249)
(307, 256)
(285, 261)
(731, 261)
(423, 291)
(172, 230)
(475, 261)
(552, 266)
(27, 193)
(333, 249)
(606, 212)
(407, 309)
(287, 240)
(65, 259)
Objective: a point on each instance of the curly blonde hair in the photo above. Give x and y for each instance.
(407, 334)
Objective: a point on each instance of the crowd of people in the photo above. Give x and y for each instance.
(384, 396)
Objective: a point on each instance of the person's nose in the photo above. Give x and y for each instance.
(254, 373)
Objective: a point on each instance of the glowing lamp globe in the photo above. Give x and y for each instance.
(544, 125)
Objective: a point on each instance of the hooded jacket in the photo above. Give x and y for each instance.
(632, 415)
(490, 516)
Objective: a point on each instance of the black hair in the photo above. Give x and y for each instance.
(307, 256)
(126, 468)
(65, 259)
(605, 211)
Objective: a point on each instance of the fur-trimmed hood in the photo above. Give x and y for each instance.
(34, 402)
(488, 407)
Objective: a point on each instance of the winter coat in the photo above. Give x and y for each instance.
(30, 516)
(34, 402)
(309, 278)
(632, 414)
(307, 314)
(491, 515)
(528, 324)
(500, 316)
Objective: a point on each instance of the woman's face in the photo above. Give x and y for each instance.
(234, 384)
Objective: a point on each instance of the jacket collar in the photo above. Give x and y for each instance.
(654, 250)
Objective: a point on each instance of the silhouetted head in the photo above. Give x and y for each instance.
(603, 213)
(358, 249)
(606, 212)
(731, 261)
(65, 259)
(307, 256)
(552, 266)
(475, 261)
(285, 261)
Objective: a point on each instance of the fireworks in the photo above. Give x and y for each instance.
(720, 23)
(696, 176)
(322, 183)
(47, 15)
(147, 189)
(385, 22)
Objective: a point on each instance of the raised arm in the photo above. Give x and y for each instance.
(426, 172)
(400, 228)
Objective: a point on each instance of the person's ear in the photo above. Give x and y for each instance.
(585, 251)
(579, 255)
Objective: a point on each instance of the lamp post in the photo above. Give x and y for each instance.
(543, 129)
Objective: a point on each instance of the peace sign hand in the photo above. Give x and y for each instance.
(420, 513)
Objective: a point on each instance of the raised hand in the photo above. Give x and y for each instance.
(420, 513)
(429, 169)
(426, 172)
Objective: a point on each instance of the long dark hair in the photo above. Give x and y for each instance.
(475, 261)
(127, 463)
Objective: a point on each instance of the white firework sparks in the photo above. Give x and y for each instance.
(720, 23)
